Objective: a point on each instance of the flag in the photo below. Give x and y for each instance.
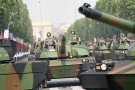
(41, 33)
(6, 34)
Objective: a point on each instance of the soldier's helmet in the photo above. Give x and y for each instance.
(73, 32)
(48, 34)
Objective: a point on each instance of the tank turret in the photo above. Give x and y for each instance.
(110, 70)
(63, 47)
(107, 18)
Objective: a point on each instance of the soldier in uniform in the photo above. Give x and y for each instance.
(75, 37)
(49, 39)
(38, 44)
(55, 39)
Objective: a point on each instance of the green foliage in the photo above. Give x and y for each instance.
(120, 8)
(82, 28)
(16, 16)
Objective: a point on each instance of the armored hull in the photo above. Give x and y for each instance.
(20, 75)
(64, 68)
(113, 74)
(121, 77)
(65, 60)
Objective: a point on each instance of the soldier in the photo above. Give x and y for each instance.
(55, 39)
(49, 39)
(38, 44)
(75, 37)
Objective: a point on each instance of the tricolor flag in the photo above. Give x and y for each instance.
(6, 34)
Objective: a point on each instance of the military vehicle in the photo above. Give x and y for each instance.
(91, 49)
(110, 74)
(19, 75)
(65, 59)
(120, 48)
(102, 52)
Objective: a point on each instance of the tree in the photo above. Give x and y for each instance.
(16, 17)
(120, 8)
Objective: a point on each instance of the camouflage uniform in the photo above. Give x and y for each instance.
(38, 44)
(74, 36)
(49, 39)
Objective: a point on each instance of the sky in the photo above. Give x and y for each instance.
(56, 11)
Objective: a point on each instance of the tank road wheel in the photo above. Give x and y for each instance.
(45, 82)
(39, 87)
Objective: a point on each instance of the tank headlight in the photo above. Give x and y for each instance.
(101, 67)
(104, 67)
(85, 60)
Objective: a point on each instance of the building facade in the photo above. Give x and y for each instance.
(40, 29)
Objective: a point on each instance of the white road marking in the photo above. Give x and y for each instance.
(54, 89)
(77, 88)
(65, 88)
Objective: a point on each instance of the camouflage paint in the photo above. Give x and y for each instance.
(28, 76)
(76, 50)
(4, 68)
(91, 47)
(125, 82)
(131, 51)
(47, 54)
(81, 51)
(3, 54)
(61, 62)
(107, 54)
(108, 19)
(124, 46)
(123, 73)
(65, 68)
(12, 80)
(65, 71)
(64, 63)
(125, 76)
(102, 47)
(122, 69)
(22, 76)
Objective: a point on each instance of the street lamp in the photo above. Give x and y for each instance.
(86, 34)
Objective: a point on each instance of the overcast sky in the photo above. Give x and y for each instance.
(56, 11)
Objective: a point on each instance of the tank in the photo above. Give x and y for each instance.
(66, 58)
(110, 74)
(91, 49)
(19, 75)
(107, 18)
(102, 51)
(120, 48)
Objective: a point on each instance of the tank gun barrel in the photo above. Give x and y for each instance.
(63, 46)
(106, 18)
